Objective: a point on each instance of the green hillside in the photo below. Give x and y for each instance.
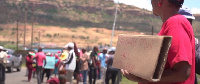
(80, 13)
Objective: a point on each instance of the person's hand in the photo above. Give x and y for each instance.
(95, 65)
(131, 77)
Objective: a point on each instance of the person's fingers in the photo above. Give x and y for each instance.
(122, 71)
(126, 74)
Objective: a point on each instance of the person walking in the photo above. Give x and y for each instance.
(50, 64)
(70, 62)
(103, 66)
(40, 57)
(3, 61)
(29, 61)
(84, 65)
(111, 72)
(93, 66)
(180, 65)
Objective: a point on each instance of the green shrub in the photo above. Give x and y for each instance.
(82, 37)
(1, 29)
(48, 35)
(73, 30)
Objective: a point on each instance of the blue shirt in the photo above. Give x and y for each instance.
(102, 58)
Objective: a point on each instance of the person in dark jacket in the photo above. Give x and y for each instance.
(111, 72)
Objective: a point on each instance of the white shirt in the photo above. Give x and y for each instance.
(71, 66)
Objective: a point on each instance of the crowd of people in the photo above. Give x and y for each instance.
(73, 63)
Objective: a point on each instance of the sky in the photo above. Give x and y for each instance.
(194, 5)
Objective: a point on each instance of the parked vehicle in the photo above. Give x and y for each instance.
(14, 61)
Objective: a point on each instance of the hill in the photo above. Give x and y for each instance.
(53, 17)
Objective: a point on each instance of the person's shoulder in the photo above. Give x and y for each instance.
(175, 22)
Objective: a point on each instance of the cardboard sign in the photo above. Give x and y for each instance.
(50, 62)
(142, 55)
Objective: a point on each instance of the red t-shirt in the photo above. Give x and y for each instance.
(182, 46)
(40, 57)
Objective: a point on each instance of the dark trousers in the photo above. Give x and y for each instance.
(2, 74)
(196, 82)
(48, 73)
(39, 74)
(111, 74)
(29, 73)
(92, 75)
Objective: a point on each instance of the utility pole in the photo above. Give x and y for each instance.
(152, 31)
(32, 26)
(113, 29)
(25, 19)
(32, 36)
(39, 39)
(17, 35)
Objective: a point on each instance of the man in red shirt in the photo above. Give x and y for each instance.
(180, 66)
(40, 57)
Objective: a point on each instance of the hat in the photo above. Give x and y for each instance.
(112, 49)
(185, 11)
(31, 53)
(1, 47)
(70, 44)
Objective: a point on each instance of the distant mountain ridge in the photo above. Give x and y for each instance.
(75, 14)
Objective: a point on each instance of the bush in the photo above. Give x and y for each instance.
(55, 35)
(36, 38)
(12, 33)
(48, 35)
(82, 37)
(1, 29)
(87, 37)
(73, 30)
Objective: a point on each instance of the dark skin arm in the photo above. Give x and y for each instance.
(179, 73)
(93, 61)
(45, 61)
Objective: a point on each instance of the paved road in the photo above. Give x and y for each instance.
(20, 78)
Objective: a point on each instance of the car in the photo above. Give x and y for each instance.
(14, 60)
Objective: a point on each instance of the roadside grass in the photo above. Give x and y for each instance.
(126, 81)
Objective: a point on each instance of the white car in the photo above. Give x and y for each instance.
(14, 61)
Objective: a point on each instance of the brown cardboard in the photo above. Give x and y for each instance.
(142, 55)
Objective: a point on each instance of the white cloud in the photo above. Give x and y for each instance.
(146, 4)
(195, 11)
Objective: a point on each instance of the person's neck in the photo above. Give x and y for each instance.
(167, 13)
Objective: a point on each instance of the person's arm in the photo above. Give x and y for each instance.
(83, 58)
(93, 61)
(45, 61)
(179, 73)
(99, 61)
(5, 57)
